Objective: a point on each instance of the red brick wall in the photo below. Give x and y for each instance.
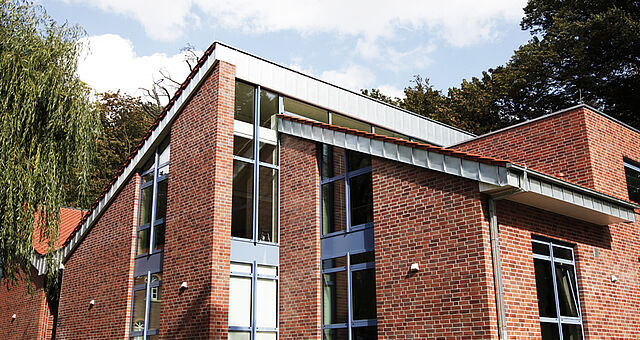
(609, 142)
(32, 311)
(197, 241)
(300, 294)
(584, 145)
(437, 221)
(101, 269)
(610, 310)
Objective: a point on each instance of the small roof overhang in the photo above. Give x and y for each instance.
(498, 178)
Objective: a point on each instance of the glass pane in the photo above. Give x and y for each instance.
(148, 165)
(567, 292)
(139, 298)
(242, 200)
(334, 216)
(268, 153)
(268, 109)
(332, 161)
(158, 237)
(243, 147)
(549, 331)
(140, 280)
(544, 286)
(241, 268)
(357, 160)
(267, 270)
(266, 336)
(389, 133)
(361, 194)
(363, 292)
(336, 334)
(143, 241)
(571, 332)
(268, 205)
(163, 171)
(154, 309)
(240, 301)
(147, 178)
(245, 102)
(335, 262)
(164, 150)
(362, 258)
(633, 183)
(161, 200)
(340, 120)
(239, 335)
(154, 337)
(562, 253)
(305, 110)
(365, 333)
(334, 298)
(266, 303)
(540, 248)
(145, 207)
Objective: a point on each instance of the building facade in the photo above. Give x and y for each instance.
(266, 204)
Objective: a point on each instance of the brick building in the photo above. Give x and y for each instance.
(266, 204)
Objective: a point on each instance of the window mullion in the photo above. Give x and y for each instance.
(147, 306)
(349, 296)
(254, 282)
(555, 290)
(153, 200)
(347, 193)
(256, 154)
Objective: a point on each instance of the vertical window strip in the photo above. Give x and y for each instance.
(151, 233)
(556, 263)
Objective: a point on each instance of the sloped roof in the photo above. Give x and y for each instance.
(69, 219)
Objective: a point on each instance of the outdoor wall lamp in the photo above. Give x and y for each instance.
(415, 267)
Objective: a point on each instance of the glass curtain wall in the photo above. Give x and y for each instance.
(557, 289)
(147, 285)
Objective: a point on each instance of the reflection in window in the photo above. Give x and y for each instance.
(340, 120)
(557, 291)
(340, 316)
(305, 110)
(347, 197)
(242, 200)
(632, 173)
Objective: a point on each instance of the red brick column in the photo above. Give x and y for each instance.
(199, 213)
(437, 221)
(300, 293)
(101, 269)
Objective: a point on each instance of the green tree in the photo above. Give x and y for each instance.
(48, 131)
(125, 120)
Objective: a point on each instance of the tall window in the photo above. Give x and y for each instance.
(253, 302)
(348, 266)
(557, 288)
(147, 285)
(632, 173)
(255, 165)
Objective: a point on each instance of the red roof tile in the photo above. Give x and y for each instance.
(69, 219)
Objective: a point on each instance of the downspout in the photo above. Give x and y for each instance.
(497, 271)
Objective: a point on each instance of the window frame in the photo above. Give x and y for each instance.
(254, 276)
(559, 320)
(256, 164)
(634, 166)
(349, 268)
(347, 176)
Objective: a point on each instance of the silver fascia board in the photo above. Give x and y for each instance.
(336, 99)
(484, 173)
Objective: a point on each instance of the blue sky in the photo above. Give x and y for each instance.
(356, 44)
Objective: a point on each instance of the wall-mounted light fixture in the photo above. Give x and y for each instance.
(614, 278)
(183, 286)
(415, 267)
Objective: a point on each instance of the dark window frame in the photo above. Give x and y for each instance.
(635, 167)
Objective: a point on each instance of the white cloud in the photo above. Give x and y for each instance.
(459, 22)
(391, 91)
(109, 63)
(353, 77)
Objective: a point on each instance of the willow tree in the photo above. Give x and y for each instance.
(47, 131)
